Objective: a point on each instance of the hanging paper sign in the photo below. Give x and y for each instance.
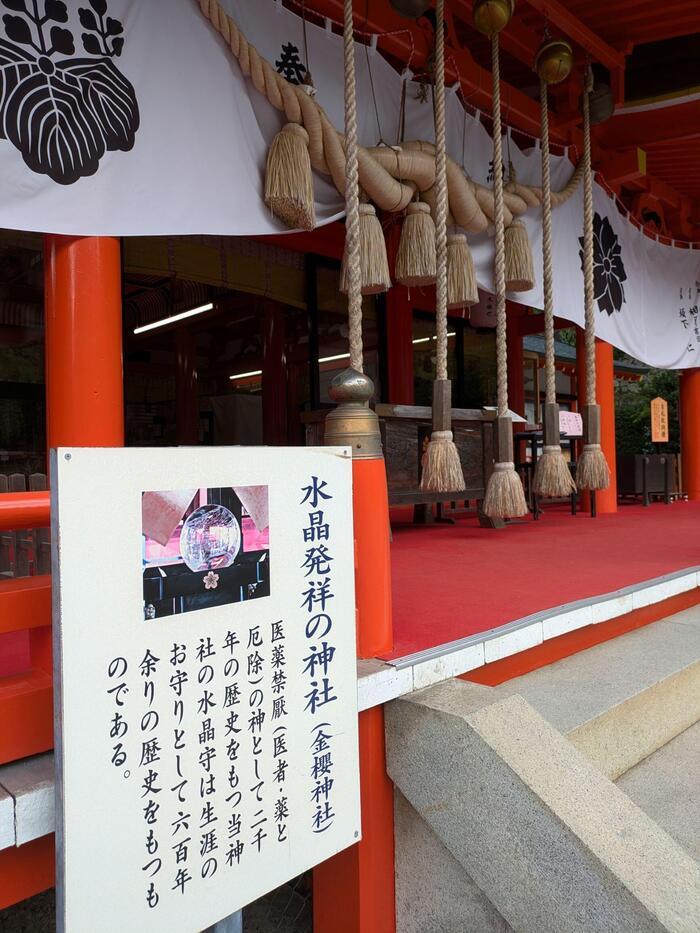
(205, 670)
(659, 421)
(570, 423)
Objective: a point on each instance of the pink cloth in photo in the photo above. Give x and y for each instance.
(161, 512)
(256, 503)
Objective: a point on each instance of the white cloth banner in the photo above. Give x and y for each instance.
(118, 120)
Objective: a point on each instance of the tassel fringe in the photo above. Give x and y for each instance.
(592, 469)
(520, 270)
(442, 469)
(374, 266)
(462, 290)
(552, 474)
(505, 497)
(289, 190)
(415, 259)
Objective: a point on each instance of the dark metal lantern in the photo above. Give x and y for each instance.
(601, 103)
(411, 9)
(554, 61)
(491, 16)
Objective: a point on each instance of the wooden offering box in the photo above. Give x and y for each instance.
(405, 434)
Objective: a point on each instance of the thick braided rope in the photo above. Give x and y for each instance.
(390, 179)
(499, 269)
(440, 194)
(588, 289)
(547, 272)
(352, 194)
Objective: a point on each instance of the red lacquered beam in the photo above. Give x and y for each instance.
(19, 510)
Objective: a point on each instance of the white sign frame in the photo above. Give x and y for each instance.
(101, 833)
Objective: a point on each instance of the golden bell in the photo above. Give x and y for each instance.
(491, 16)
(554, 61)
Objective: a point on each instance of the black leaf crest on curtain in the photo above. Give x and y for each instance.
(62, 111)
(608, 268)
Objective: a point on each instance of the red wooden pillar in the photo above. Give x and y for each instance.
(85, 407)
(690, 431)
(186, 391)
(354, 890)
(606, 499)
(399, 332)
(84, 376)
(274, 376)
(84, 371)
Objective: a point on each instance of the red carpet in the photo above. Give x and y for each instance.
(450, 581)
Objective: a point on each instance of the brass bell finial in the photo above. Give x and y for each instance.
(554, 61)
(491, 16)
(353, 423)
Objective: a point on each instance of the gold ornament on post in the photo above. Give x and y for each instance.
(491, 16)
(554, 61)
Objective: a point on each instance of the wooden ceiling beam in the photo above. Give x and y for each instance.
(412, 44)
(677, 122)
(599, 50)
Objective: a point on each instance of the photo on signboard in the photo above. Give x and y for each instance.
(204, 547)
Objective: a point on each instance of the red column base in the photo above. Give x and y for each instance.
(354, 890)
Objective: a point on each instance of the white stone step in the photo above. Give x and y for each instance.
(667, 787)
(620, 701)
(553, 844)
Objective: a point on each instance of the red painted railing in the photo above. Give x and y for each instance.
(24, 510)
(26, 699)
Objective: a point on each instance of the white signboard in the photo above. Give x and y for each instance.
(206, 695)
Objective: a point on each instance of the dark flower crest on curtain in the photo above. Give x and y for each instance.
(64, 112)
(608, 268)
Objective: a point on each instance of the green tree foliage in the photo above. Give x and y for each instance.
(633, 412)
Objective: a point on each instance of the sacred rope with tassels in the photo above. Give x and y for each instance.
(442, 469)
(592, 470)
(352, 196)
(505, 497)
(389, 178)
(552, 476)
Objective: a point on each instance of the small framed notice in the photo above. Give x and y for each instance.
(205, 671)
(659, 420)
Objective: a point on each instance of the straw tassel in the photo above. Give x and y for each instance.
(462, 290)
(552, 475)
(520, 270)
(442, 468)
(592, 470)
(289, 190)
(374, 265)
(505, 497)
(415, 259)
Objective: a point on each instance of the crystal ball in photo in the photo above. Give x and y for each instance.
(210, 538)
